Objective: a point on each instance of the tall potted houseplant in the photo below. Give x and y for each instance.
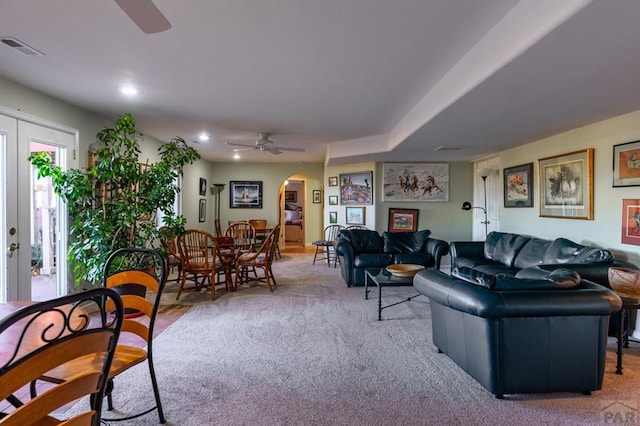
(114, 203)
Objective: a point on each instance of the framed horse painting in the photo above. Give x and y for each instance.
(415, 182)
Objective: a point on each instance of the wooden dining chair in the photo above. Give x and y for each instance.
(126, 271)
(325, 247)
(218, 228)
(244, 235)
(262, 259)
(48, 334)
(172, 259)
(198, 261)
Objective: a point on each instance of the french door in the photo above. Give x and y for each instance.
(33, 221)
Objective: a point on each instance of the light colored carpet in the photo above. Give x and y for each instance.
(312, 353)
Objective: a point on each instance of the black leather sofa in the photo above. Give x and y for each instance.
(506, 254)
(361, 249)
(513, 335)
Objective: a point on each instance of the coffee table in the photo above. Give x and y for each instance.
(383, 278)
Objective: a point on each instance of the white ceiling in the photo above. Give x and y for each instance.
(349, 80)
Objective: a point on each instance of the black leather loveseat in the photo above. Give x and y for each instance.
(360, 249)
(506, 254)
(529, 335)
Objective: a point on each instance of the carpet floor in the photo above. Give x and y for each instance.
(313, 353)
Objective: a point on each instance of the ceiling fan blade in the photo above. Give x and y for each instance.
(282, 148)
(240, 144)
(145, 14)
(243, 149)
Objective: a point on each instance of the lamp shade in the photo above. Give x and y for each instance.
(483, 173)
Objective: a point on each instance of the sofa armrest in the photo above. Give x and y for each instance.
(436, 248)
(466, 249)
(347, 259)
(596, 272)
(589, 299)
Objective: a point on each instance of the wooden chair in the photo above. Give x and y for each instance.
(197, 250)
(218, 228)
(71, 337)
(325, 247)
(128, 270)
(244, 235)
(261, 259)
(173, 260)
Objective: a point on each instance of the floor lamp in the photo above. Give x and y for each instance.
(484, 174)
(216, 189)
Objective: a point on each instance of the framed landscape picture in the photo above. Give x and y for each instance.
(333, 200)
(518, 186)
(333, 217)
(356, 188)
(403, 220)
(355, 215)
(245, 194)
(566, 185)
(333, 181)
(291, 196)
(418, 182)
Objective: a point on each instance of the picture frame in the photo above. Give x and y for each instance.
(356, 188)
(202, 210)
(245, 194)
(626, 164)
(203, 187)
(291, 196)
(333, 200)
(355, 215)
(317, 197)
(518, 186)
(333, 217)
(403, 220)
(333, 180)
(426, 182)
(565, 185)
(631, 221)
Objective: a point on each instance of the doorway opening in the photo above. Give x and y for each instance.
(293, 202)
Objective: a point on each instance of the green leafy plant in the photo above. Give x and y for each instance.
(114, 203)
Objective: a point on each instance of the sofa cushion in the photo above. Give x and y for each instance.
(424, 259)
(530, 279)
(372, 260)
(405, 242)
(362, 240)
(562, 250)
(473, 276)
(503, 247)
(532, 253)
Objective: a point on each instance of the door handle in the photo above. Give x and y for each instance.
(13, 247)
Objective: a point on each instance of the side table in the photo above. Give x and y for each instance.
(626, 283)
(383, 278)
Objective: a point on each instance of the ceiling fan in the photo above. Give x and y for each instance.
(264, 144)
(145, 14)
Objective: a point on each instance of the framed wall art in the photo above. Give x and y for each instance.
(518, 186)
(291, 196)
(415, 182)
(202, 210)
(333, 200)
(355, 215)
(403, 220)
(317, 196)
(333, 180)
(356, 188)
(203, 187)
(626, 164)
(333, 217)
(245, 194)
(566, 185)
(631, 221)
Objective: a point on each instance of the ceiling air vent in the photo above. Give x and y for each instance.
(21, 47)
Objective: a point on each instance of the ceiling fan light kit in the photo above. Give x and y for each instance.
(264, 144)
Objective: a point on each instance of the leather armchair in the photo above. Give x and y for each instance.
(361, 249)
(524, 340)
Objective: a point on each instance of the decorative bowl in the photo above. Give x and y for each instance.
(404, 269)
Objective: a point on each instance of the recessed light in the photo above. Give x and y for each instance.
(203, 137)
(129, 91)
(236, 156)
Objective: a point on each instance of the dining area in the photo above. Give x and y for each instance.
(202, 261)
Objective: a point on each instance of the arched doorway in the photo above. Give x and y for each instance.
(292, 208)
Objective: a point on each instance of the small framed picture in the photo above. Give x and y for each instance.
(317, 198)
(518, 186)
(631, 221)
(403, 220)
(355, 215)
(291, 196)
(333, 200)
(626, 164)
(333, 181)
(202, 210)
(203, 186)
(333, 217)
